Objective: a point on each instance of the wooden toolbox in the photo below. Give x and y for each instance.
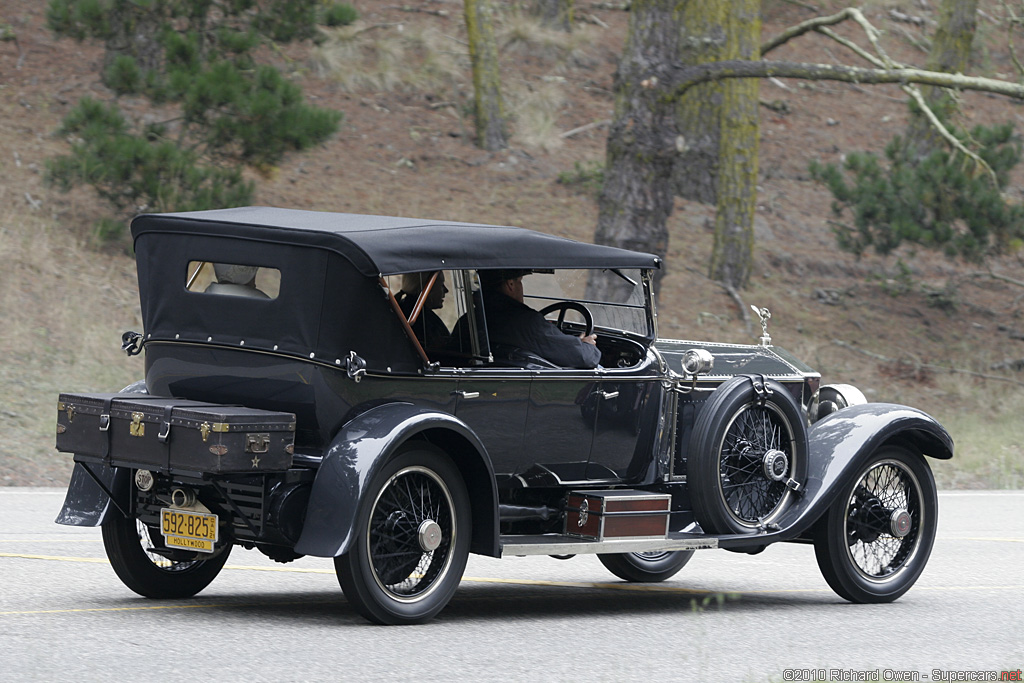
(612, 514)
(137, 430)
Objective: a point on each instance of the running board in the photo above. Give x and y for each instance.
(557, 544)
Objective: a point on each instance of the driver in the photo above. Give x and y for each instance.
(512, 322)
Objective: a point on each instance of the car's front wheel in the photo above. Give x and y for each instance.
(130, 548)
(646, 567)
(412, 539)
(875, 539)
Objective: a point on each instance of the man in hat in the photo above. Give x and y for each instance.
(429, 328)
(511, 322)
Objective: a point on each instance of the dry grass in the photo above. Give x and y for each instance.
(984, 420)
(535, 108)
(364, 58)
(521, 35)
(60, 305)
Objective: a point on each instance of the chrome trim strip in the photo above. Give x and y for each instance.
(556, 544)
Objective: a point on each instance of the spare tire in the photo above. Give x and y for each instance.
(747, 456)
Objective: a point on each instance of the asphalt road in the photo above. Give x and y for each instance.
(725, 617)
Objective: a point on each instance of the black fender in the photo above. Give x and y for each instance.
(360, 450)
(86, 503)
(838, 445)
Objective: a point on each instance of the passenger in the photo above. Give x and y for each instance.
(511, 322)
(235, 280)
(429, 328)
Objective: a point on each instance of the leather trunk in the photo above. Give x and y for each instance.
(612, 514)
(171, 434)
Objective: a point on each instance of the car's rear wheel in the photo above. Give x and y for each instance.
(748, 455)
(130, 547)
(648, 567)
(412, 539)
(875, 539)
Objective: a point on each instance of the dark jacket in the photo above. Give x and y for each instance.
(514, 324)
(429, 328)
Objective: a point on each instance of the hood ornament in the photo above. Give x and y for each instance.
(765, 315)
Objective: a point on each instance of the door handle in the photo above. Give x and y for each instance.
(607, 394)
(466, 394)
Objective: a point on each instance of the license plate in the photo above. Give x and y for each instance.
(188, 530)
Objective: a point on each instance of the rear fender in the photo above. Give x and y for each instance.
(363, 446)
(86, 503)
(838, 446)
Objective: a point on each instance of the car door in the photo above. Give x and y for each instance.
(494, 404)
(560, 423)
(625, 411)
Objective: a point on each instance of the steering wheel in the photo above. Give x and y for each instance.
(563, 306)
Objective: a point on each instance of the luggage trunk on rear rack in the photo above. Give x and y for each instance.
(174, 435)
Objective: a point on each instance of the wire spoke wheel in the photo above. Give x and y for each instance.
(884, 490)
(747, 454)
(874, 541)
(131, 547)
(750, 495)
(414, 499)
(412, 540)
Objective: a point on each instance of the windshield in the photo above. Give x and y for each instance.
(615, 298)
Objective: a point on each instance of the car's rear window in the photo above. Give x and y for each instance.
(233, 279)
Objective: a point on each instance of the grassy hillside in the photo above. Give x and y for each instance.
(402, 80)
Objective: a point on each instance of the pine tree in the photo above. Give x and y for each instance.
(938, 203)
(194, 61)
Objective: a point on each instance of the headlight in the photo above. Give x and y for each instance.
(698, 361)
(833, 397)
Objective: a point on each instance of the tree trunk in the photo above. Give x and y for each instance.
(951, 52)
(732, 256)
(697, 113)
(483, 53)
(637, 196)
(557, 14)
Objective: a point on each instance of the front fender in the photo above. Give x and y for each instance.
(838, 446)
(364, 445)
(86, 503)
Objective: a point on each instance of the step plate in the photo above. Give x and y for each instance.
(556, 544)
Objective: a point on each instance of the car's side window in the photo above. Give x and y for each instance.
(432, 303)
(233, 279)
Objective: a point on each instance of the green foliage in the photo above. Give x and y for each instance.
(123, 76)
(222, 110)
(942, 202)
(587, 176)
(139, 171)
(339, 14)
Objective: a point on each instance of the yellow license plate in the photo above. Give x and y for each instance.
(188, 530)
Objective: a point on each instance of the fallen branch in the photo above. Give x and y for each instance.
(805, 5)
(408, 8)
(731, 291)
(584, 128)
(692, 76)
(930, 366)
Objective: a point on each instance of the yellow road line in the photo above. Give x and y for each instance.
(50, 540)
(642, 588)
(980, 538)
(55, 558)
(165, 607)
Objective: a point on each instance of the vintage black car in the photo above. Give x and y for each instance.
(302, 398)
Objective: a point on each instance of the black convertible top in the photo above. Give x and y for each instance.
(388, 245)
